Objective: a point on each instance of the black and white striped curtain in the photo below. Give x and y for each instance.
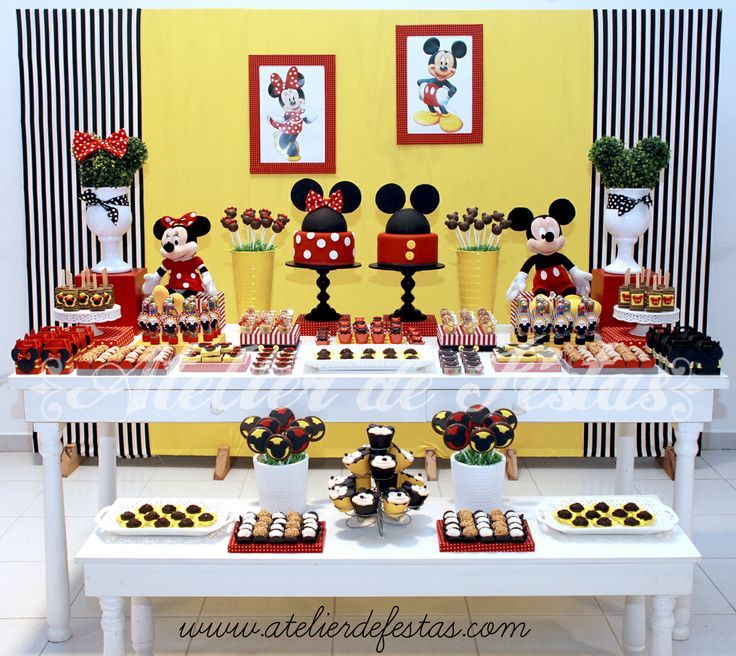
(79, 69)
(656, 73)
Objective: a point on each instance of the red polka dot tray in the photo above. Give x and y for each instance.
(277, 547)
(448, 546)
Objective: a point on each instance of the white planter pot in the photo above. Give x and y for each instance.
(109, 234)
(477, 488)
(626, 229)
(282, 488)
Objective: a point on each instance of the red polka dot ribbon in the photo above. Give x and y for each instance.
(86, 143)
(292, 80)
(185, 220)
(315, 201)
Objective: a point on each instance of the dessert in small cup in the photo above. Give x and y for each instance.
(365, 503)
(380, 437)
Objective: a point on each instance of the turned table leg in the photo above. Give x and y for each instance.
(660, 625)
(107, 452)
(58, 600)
(686, 448)
(141, 625)
(635, 616)
(113, 626)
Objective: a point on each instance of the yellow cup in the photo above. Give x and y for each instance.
(476, 275)
(253, 273)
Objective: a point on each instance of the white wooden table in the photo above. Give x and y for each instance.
(659, 565)
(626, 399)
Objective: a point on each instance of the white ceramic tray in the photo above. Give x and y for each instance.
(378, 364)
(665, 518)
(106, 518)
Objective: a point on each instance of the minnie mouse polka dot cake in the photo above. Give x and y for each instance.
(324, 238)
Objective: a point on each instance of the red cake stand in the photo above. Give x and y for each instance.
(323, 311)
(407, 312)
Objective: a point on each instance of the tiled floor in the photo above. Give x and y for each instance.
(557, 625)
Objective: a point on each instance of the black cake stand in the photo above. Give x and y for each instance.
(407, 312)
(323, 311)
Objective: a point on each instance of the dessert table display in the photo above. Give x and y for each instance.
(355, 396)
(660, 566)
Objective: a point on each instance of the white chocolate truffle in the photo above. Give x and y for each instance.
(309, 532)
(485, 532)
(516, 532)
(452, 532)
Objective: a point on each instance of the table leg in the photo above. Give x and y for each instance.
(107, 452)
(635, 616)
(686, 448)
(141, 625)
(58, 600)
(661, 624)
(113, 626)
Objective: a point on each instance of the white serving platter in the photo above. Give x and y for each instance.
(379, 363)
(106, 518)
(665, 518)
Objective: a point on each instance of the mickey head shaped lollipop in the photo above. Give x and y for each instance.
(478, 428)
(281, 435)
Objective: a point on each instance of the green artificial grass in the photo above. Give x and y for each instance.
(470, 457)
(482, 248)
(257, 246)
(292, 459)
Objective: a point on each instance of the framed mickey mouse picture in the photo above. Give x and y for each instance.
(439, 84)
(292, 113)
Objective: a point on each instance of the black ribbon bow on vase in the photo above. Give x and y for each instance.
(91, 198)
(625, 204)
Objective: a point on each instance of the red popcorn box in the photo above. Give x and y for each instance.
(202, 299)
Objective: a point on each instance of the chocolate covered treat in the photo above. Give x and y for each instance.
(194, 509)
(162, 522)
(564, 514)
(186, 523)
(604, 521)
(620, 513)
(580, 522)
(380, 437)
(127, 516)
(145, 508)
(631, 507)
(576, 507)
(134, 523)
(168, 509)
(383, 467)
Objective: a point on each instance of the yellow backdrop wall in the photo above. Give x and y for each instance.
(538, 82)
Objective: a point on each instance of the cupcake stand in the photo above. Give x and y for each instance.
(378, 520)
(87, 317)
(323, 311)
(407, 312)
(644, 320)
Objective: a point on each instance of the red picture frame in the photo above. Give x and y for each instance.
(257, 163)
(475, 135)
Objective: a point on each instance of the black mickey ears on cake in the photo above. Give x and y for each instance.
(562, 210)
(391, 197)
(351, 196)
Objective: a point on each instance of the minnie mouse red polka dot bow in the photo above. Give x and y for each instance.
(292, 80)
(315, 201)
(86, 143)
(185, 220)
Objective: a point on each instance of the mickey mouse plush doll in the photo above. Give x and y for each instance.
(435, 92)
(188, 274)
(289, 126)
(554, 272)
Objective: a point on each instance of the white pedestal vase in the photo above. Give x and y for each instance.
(282, 488)
(627, 227)
(109, 217)
(477, 487)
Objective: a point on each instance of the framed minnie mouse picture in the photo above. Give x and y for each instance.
(292, 113)
(439, 84)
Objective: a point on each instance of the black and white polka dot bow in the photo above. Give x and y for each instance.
(91, 198)
(625, 204)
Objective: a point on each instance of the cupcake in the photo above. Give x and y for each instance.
(365, 503)
(383, 467)
(341, 498)
(358, 462)
(380, 437)
(417, 495)
(395, 501)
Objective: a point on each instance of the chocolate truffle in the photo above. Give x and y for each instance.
(168, 509)
(645, 516)
(162, 522)
(632, 521)
(145, 508)
(580, 521)
(133, 523)
(470, 532)
(564, 513)
(151, 516)
(603, 521)
(592, 514)
(177, 515)
(576, 507)
(186, 523)
(194, 509)
(127, 516)
(631, 507)
(602, 507)
(292, 534)
(206, 517)
(620, 513)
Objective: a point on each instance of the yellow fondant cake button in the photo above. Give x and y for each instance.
(409, 255)
(411, 244)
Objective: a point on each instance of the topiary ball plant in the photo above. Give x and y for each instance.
(624, 168)
(102, 168)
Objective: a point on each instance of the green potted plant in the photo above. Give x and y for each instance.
(253, 254)
(106, 168)
(280, 461)
(629, 176)
(478, 246)
(478, 467)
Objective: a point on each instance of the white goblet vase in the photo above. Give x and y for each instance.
(108, 232)
(627, 228)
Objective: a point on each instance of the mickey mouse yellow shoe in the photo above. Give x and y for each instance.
(295, 158)
(426, 118)
(450, 123)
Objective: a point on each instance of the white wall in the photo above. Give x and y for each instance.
(12, 241)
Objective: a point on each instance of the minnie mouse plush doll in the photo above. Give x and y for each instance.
(554, 272)
(188, 274)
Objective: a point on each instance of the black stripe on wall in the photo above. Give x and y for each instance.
(656, 73)
(79, 69)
